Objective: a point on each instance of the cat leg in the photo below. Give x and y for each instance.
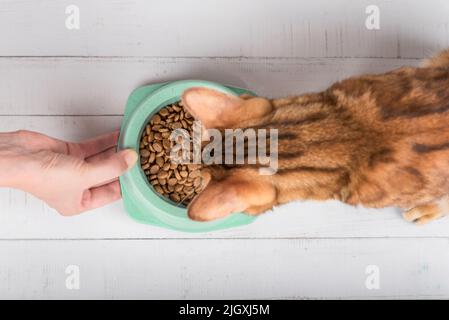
(428, 212)
(441, 60)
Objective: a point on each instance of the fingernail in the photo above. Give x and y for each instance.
(130, 157)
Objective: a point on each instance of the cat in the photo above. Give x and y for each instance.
(373, 140)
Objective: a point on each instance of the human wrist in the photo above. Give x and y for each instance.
(15, 162)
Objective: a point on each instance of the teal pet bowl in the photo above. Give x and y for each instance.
(140, 199)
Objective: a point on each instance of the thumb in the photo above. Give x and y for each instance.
(98, 172)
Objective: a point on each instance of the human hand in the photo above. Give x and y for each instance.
(69, 177)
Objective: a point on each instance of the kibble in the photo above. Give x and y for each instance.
(178, 182)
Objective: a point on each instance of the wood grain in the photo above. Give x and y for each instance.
(74, 84)
(225, 269)
(224, 28)
(100, 86)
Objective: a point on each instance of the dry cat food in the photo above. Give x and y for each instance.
(179, 182)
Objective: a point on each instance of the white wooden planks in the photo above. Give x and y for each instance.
(74, 84)
(225, 269)
(100, 86)
(195, 28)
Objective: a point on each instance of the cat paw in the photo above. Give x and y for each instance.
(423, 214)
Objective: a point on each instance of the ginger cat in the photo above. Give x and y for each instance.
(373, 140)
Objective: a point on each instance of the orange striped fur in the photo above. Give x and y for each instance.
(372, 140)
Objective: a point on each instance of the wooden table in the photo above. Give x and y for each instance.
(73, 84)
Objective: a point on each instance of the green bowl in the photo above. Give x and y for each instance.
(140, 199)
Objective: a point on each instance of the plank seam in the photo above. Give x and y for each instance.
(216, 57)
(233, 238)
